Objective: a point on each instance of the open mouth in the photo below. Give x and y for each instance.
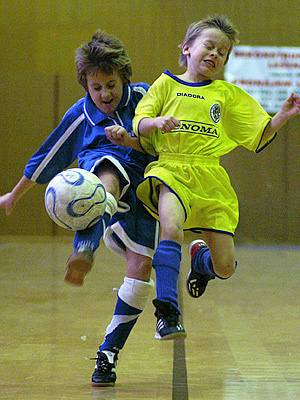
(210, 63)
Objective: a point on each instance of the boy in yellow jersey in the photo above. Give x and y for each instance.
(189, 121)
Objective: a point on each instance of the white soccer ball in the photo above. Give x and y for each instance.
(75, 199)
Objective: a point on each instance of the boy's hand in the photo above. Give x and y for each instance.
(7, 202)
(291, 106)
(166, 124)
(117, 135)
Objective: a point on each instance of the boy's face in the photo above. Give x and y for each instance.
(207, 54)
(106, 90)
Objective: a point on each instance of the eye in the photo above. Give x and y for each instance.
(97, 88)
(208, 46)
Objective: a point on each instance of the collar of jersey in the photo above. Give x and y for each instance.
(203, 83)
(95, 116)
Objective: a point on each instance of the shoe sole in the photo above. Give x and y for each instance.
(172, 336)
(77, 268)
(188, 287)
(105, 384)
(199, 293)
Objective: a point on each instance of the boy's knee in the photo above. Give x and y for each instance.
(138, 266)
(144, 268)
(225, 270)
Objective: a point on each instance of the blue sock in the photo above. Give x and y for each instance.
(132, 298)
(202, 263)
(91, 237)
(166, 263)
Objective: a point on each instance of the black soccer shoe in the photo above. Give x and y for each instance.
(196, 283)
(105, 368)
(168, 326)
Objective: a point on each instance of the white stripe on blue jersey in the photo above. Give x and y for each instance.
(57, 146)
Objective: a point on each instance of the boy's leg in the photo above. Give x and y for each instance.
(132, 298)
(209, 259)
(133, 234)
(166, 263)
(86, 243)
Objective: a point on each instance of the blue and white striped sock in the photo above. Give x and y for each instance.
(132, 298)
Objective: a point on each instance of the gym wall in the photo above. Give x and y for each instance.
(38, 84)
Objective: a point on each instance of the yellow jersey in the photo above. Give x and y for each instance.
(215, 117)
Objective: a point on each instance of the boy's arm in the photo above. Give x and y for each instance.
(289, 109)
(9, 200)
(165, 124)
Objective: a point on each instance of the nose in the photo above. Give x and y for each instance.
(105, 94)
(214, 53)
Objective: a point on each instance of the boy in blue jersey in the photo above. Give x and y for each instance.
(104, 70)
(190, 120)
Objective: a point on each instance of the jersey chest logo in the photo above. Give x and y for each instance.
(215, 113)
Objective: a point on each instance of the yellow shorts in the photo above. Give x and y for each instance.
(202, 186)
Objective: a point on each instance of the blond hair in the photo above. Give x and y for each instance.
(220, 22)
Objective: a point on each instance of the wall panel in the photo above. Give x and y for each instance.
(26, 120)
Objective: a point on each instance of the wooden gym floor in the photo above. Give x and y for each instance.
(243, 338)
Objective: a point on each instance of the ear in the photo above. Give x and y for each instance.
(186, 50)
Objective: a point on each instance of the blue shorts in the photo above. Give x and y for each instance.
(135, 229)
(132, 226)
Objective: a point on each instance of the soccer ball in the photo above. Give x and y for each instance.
(75, 199)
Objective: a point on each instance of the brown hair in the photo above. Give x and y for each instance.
(220, 22)
(105, 53)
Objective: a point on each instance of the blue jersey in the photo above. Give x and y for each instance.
(80, 135)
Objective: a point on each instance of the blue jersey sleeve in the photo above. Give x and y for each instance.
(61, 147)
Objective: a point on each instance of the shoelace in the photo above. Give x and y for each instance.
(103, 363)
